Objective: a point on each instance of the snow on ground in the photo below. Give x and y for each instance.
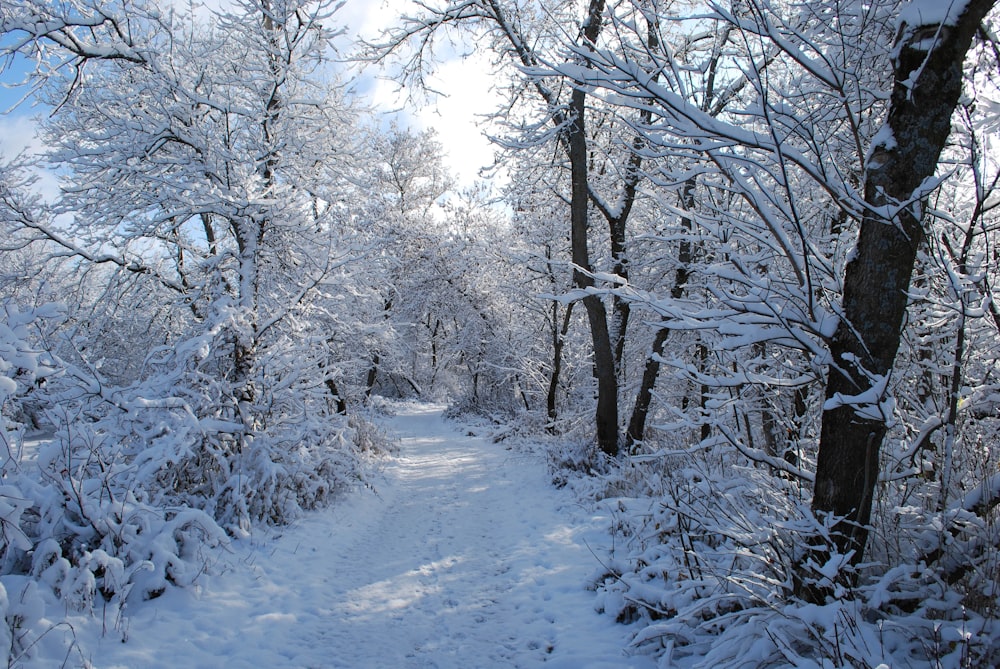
(466, 557)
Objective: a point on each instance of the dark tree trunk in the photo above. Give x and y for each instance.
(376, 358)
(926, 90)
(606, 415)
(618, 222)
(640, 411)
(558, 343)
(372, 374)
(331, 385)
(434, 351)
(620, 308)
(702, 352)
(574, 141)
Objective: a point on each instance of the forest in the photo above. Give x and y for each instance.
(735, 267)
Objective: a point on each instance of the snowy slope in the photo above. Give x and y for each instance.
(466, 557)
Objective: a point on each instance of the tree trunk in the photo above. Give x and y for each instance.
(640, 411)
(341, 403)
(606, 415)
(621, 308)
(558, 343)
(927, 88)
(376, 358)
(702, 353)
(372, 375)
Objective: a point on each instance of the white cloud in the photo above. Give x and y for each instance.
(367, 18)
(462, 83)
(458, 114)
(19, 135)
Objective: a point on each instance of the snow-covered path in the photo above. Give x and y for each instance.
(463, 559)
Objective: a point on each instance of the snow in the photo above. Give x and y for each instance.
(882, 143)
(874, 403)
(463, 556)
(931, 12)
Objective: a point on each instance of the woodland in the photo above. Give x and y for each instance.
(738, 277)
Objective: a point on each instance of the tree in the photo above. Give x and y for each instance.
(575, 130)
(211, 161)
(931, 49)
(787, 177)
(527, 38)
(402, 177)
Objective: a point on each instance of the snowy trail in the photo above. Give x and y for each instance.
(464, 559)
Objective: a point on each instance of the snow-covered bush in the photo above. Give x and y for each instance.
(183, 439)
(101, 530)
(138, 484)
(23, 367)
(710, 559)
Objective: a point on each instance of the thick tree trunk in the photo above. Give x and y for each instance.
(927, 88)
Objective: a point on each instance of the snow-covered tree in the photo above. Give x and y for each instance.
(205, 217)
(806, 230)
(601, 164)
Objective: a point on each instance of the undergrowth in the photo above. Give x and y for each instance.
(708, 549)
(133, 490)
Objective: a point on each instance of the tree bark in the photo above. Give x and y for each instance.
(558, 343)
(606, 415)
(927, 87)
(640, 410)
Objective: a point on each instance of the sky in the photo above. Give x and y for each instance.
(463, 81)
(17, 130)
(456, 114)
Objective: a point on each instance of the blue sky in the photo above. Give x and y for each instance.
(464, 83)
(17, 125)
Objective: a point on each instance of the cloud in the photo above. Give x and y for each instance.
(456, 112)
(461, 83)
(19, 136)
(459, 113)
